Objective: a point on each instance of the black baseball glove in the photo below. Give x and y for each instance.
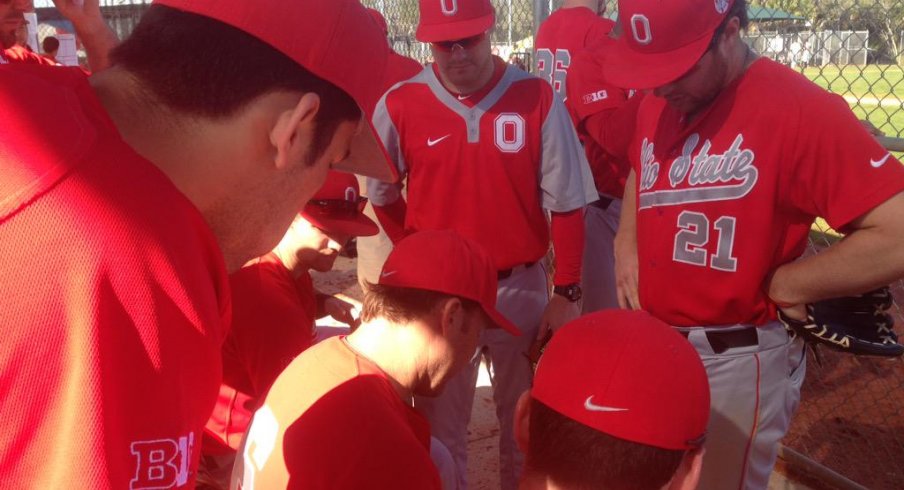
(860, 325)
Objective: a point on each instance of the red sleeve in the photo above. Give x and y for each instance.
(613, 128)
(392, 219)
(568, 243)
(843, 172)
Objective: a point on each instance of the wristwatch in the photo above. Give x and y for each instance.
(571, 292)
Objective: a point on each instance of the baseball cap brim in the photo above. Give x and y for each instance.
(358, 226)
(407, 279)
(629, 68)
(454, 30)
(501, 321)
(367, 156)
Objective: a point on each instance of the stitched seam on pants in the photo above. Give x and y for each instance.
(756, 423)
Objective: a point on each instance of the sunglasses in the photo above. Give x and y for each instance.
(466, 43)
(339, 208)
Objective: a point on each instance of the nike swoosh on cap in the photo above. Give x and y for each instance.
(589, 405)
(879, 163)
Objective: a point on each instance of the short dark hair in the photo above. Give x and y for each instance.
(50, 44)
(404, 304)
(738, 9)
(578, 457)
(202, 67)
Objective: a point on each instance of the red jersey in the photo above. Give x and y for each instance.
(334, 421)
(561, 36)
(114, 304)
(19, 54)
(590, 95)
(725, 200)
(273, 321)
(485, 165)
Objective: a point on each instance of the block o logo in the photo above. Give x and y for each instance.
(640, 29)
(449, 7)
(509, 132)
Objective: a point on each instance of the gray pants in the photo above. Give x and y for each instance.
(522, 299)
(754, 392)
(598, 271)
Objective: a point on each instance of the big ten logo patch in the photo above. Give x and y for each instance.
(162, 463)
(509, 132)
(595, 97)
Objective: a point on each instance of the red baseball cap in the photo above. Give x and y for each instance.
(628, 375)
(321, 36)
(446, 262)
(448, 20)
(380, 20)
(661, 41)
(338, 207)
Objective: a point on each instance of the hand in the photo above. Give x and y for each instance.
(81, 13)
(558, 312)
(796, 312)
(626, 273)
(347, 312)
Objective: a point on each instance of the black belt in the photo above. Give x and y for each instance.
(507, 273)
(603, 202)
(729, 339)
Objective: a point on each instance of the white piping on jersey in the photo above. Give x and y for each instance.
(472, 115)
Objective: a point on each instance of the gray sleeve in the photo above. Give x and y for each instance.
(565, 178)
(383, 193)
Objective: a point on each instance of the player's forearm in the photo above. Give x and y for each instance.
(627, 225)
(870, 257)
(98, 40)
(568, 243)
(861, 262)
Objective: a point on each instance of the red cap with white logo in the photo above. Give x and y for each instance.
(629, 375)
(661, 41)
(450, 20)
(339, 208)
(446, 262)
(319, 35)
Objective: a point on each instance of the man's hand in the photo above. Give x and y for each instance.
(558, 312)
(347, 312)
(90, 27)
(626, 273)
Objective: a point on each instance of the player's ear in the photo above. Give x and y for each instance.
(522, 422)
(452, 318)
(688, 475)
(292, 134)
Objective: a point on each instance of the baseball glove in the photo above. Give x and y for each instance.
(860, 325)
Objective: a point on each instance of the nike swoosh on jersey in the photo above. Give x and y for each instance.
(387, 274)
(434, 142)
(879, 163)
(590, 406)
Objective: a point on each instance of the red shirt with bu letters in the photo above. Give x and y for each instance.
(273, 321)
(115, 299)
(726, 199)
(333, 420)
(564, 34)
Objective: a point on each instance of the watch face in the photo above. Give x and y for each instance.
(571, 293)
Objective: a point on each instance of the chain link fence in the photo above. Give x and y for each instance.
(850, 417)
